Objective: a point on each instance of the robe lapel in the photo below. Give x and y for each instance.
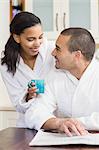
(86, 94)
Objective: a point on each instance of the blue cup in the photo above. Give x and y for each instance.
(39, 84)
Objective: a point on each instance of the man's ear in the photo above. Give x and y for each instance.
(16, 38)
(78, 54)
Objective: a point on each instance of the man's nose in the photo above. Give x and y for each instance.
(54, 53)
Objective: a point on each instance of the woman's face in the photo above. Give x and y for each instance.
(30, 40)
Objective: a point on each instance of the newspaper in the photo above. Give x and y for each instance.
(48, 138)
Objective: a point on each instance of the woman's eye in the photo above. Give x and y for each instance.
(31, 39)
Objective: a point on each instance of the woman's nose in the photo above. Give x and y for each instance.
(37, 42)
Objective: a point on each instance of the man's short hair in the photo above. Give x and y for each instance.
(82, 40)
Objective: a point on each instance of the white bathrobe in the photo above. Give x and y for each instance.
(65, 96)
(17, 85)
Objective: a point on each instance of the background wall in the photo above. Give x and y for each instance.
(4, 34)
(4, 22)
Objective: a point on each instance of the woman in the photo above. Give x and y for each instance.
(27, 56)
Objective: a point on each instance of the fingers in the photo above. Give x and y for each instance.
(79, 126)
(66, 130)
(32, 91)
(72, 127)
(81, 129)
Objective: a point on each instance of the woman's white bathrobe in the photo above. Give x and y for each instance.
(17, 84)
(65, 96)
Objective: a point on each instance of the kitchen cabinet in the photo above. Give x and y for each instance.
(84, 14)
(59, 14)
(51, 13)
(8, 117)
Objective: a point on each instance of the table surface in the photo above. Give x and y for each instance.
(19, 138)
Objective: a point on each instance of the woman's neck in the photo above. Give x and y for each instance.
(29, 60)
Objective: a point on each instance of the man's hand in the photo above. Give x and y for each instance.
(71, 127)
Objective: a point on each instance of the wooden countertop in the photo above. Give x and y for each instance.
(19, 138)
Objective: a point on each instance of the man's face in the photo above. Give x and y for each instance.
(64, 58)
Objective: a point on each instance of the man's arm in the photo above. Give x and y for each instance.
(41, 115)
(90, 122)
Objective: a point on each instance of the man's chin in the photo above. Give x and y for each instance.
(57, 67)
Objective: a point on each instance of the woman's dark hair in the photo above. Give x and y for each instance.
(20, 22)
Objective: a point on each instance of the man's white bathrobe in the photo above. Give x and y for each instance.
(17, 85)
(65, 96)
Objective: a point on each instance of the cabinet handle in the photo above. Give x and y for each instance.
(64, 18)
(56, 21)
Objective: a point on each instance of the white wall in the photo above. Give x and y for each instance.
(4, 22)
(4, 34)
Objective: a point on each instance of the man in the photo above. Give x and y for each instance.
(71, 99)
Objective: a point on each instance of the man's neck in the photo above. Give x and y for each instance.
(78, 72)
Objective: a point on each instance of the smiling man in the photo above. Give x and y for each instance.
(71, 100)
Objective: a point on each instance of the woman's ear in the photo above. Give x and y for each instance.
(16, 38)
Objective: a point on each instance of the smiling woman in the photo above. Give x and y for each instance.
(33, 38)
(30, 41)
(27, 56)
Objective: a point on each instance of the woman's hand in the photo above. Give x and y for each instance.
(32, 92)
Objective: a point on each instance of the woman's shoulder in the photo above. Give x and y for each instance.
(3, 67)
